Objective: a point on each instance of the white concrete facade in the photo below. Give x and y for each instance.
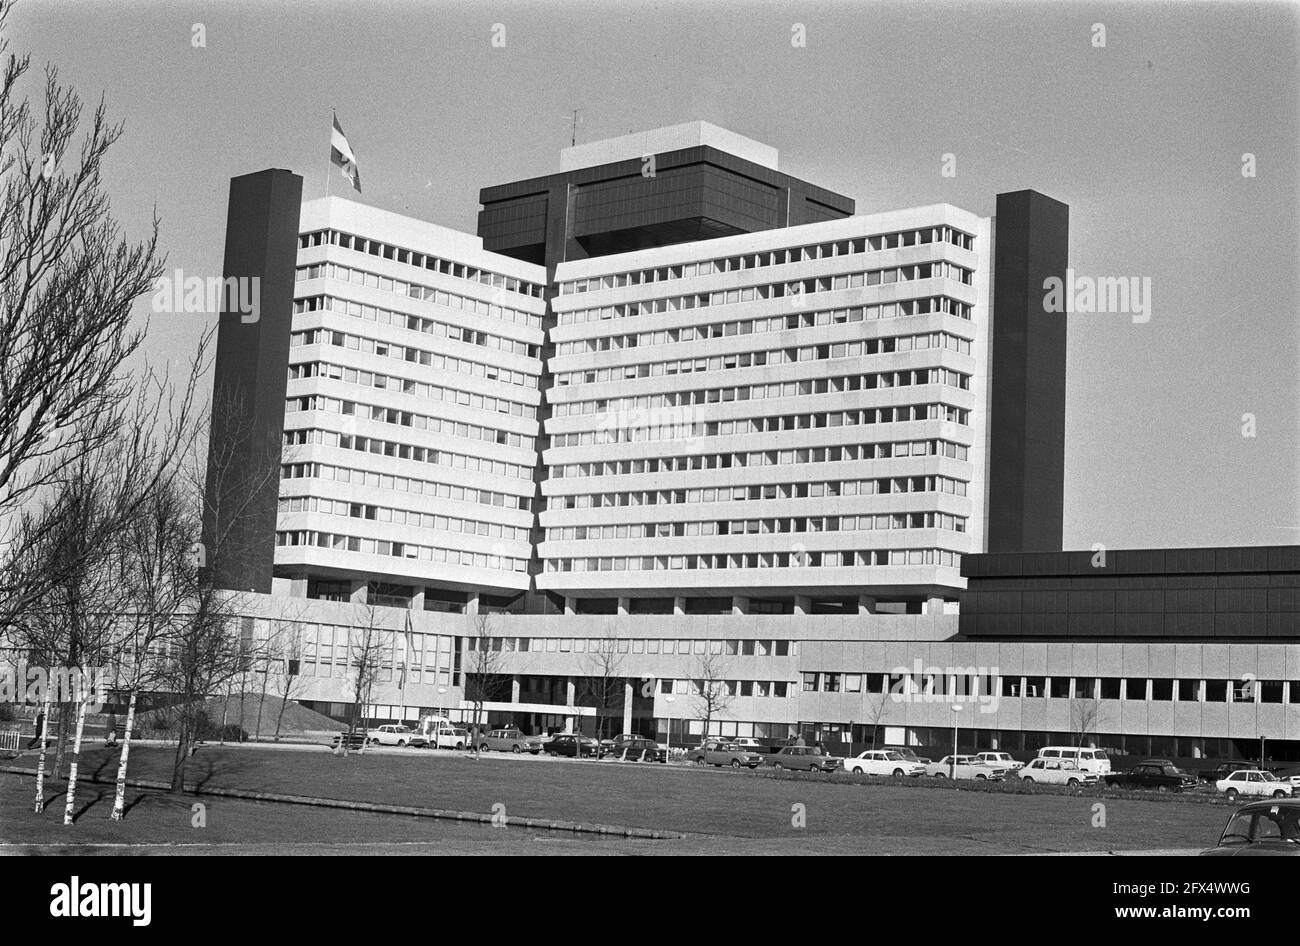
(792, 411)
(411, 411)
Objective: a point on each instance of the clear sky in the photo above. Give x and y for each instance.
(1143, 139)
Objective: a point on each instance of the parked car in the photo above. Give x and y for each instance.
(1057, 772)
(1000, 760)
(510, 740)
(749, 744)
(720, 753)
(1090, 760)
(964, 766)
(1159, 774)
(1253, 782)
(396, 735)
(1261, 829)
(883, 762)
(354, 740)
(909, 754)
(572, 745)
(804, 759)
(1223, 770)
(449, 737)
(636, 749)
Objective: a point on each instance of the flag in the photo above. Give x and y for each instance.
(410, 646)
(341, 155)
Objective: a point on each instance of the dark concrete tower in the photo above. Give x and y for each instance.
(1027, 376)
(249, 385)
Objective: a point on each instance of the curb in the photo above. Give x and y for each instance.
(444, 814)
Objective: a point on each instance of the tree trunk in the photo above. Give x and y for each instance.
(119, 797)
(182, 756)
(61, 738)
(40, 760)
(279, 718)
(261, 699)
(225, 710)
(72, 768)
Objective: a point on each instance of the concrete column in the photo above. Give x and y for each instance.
(358, 594)
(679, 605)
(298, 586)
(739, 605)
(570, 698)
(568, 606)
(514, 689)
(802, 604)
(417, 599)
(866, 604)
(934, 606)
(471, 603)
(624, 606)
(627, 706)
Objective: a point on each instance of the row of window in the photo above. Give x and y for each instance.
(1143, 689)
(416, 356)
(794, 291)
(414, 323)
(339, 542)
(792, 524)
(405, 517)
(405, 451)
(779, 257)
(776, 323)
(753, 392)
(388, 251)
(760, 491)
(736, 360)
(819, 420)
(726, 461)
(796, 559)
(778, 689)
(388, 382)
(343, 474)
(391, 415)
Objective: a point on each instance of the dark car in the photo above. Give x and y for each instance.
(1159, 774)
(1223, 770)
(573, 746)
(804, 758)
(1261, 829)
(635, 749)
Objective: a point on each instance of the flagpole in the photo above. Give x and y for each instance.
(329, 155)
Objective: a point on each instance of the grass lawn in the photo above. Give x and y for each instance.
(722, 811)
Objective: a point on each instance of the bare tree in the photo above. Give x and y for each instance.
(1085, 716)
(602, 682)
(285, 653)
(875, 713)
(367, 642)
(482, 665)
(712, 698)
(67, 284)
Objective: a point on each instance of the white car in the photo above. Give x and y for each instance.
(389, 736)
(1254, 782)
(883, 762)
(967, 766)
(748, 744)
(1057, 772)
(1000, 760)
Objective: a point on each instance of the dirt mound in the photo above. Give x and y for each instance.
(297, 718)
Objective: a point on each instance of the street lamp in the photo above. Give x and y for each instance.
(956, 717)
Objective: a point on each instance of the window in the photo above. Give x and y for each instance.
(810, 682)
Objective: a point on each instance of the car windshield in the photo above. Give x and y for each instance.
(1269, 777)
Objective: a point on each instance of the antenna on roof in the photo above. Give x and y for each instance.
(573, 121)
